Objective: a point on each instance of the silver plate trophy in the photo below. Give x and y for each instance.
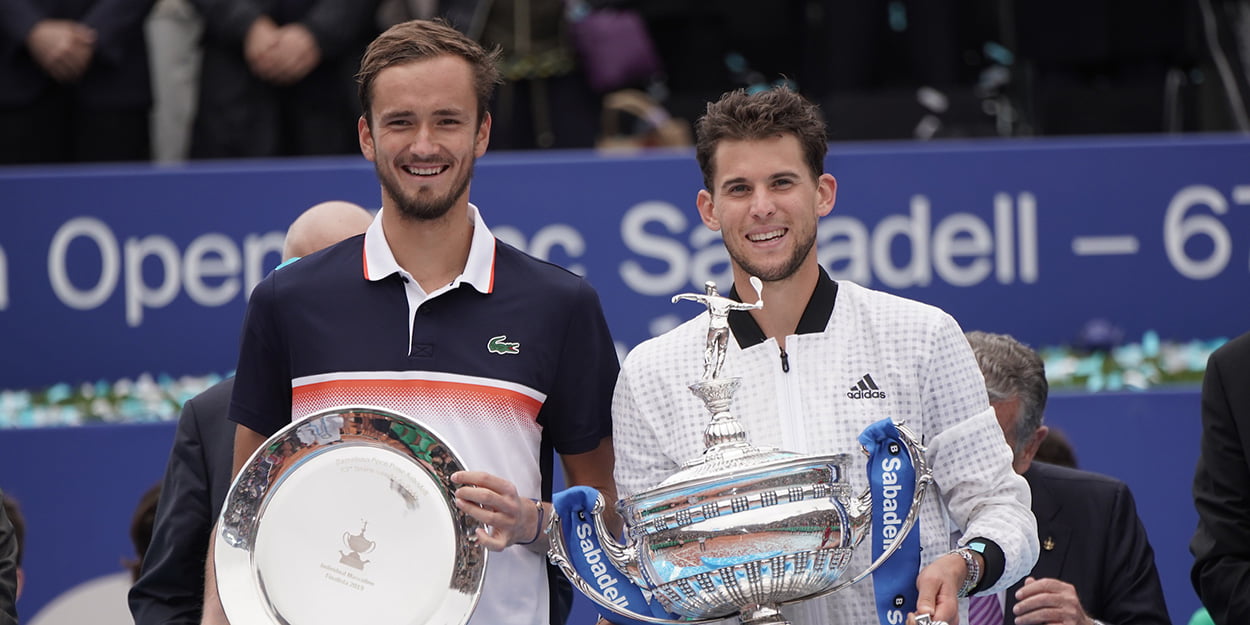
(739, 530)
(346, 516)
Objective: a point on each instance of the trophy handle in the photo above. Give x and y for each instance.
(924, 477)
(623, 557)
(620, 558)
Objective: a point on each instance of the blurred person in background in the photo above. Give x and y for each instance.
(276, 78)
(545, 100)
(173, 29)
(74, 81)
(141, 529)
(1224, 38)
(1055, 448)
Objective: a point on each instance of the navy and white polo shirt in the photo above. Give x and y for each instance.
(513, 355)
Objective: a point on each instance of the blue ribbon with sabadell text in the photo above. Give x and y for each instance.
(573, 505)
(892, 480)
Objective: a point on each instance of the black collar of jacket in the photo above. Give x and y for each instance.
(814, 320)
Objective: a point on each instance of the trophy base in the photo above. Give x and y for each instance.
(762, 615)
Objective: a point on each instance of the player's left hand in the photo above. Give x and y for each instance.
(494, 501)
(1049, 601)
(938, 585)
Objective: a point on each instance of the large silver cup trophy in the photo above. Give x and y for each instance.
(739, 530)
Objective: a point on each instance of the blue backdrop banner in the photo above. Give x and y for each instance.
(107, 272)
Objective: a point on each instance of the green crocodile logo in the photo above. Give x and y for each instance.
(498, 345)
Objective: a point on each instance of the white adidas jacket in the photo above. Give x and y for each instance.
(925, 374)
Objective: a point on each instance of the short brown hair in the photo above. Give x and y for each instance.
(740, 116)
(418, 40)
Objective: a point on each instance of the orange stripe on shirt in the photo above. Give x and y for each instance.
(378, 390)
(494, 256)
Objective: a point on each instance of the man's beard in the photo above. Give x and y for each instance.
(425, 209)
(780, 272)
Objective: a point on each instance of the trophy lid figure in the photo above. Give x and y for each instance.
(718, 306)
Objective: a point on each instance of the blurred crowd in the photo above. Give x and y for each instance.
(169, 80)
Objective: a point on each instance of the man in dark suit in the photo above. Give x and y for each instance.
(195, 484)
(75, 83)
(1221, 545)
(170, 588)
(1096, 566)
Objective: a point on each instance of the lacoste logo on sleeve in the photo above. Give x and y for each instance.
(865, 388)
(500, 345)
